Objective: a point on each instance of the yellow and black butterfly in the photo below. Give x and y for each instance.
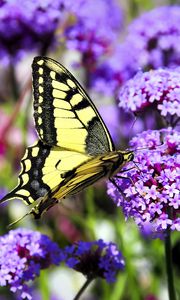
(74, 149)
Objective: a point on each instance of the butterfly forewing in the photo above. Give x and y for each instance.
(64, 115)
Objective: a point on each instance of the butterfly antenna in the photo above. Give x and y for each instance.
(131, 127)
(145, 148)
(135, 119)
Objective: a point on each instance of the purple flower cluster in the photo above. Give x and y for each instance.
(95, 28)
(109, 75)
(152, 196)
(158, 89)
(27, 25)
(95, 259)
(23, 253)
(153, 38)
(152, 42)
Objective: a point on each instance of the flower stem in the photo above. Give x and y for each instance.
(14, 84)
(85, 285)
(169, 267)
(133, 8)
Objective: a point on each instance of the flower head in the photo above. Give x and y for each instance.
(158, 89)
(88, 32)
(152, 42)
(95, 259)
(27, 25)
(152, 197)
(114, 70)
(23, 253)
(153, 38)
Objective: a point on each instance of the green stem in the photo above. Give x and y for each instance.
(169, 267)
(43, 285)
(133, 8)
(85, 285)
(14, 84)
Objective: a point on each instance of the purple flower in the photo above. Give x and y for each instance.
(111, 73)
(152, 196)
(27, 25)
(23, 253)
(158, 89)
(153, 38)
(152, 42)
(95, 259)
(94, 28)
(110, 115)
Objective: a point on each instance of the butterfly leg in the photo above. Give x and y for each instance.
(120, 190)
(123, 171)
(112, 180)
(129, 178)
(122, 177)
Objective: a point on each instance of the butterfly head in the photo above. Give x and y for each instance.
(120, 160)
(128, 156)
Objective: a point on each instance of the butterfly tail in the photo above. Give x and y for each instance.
(14, 195)
(7, 197)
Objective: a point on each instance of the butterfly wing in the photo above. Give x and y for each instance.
(64, 114)
(80, 177)
(71, 133)
(72, 182)
(43, 168)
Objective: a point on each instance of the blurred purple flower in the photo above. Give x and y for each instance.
(37, 295)
(23, 253)
(158, 89)
(95, 259)
(111, 73)
(27, 25)
(120, 124)
(3, 192)
(153, 199)
(110, 115)
(95, 28)
(152, 41)
(153, 38)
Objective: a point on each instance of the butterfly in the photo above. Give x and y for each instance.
(74, 149)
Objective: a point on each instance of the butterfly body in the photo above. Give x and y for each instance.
(74, 149)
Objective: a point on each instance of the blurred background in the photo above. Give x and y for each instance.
(104, 44)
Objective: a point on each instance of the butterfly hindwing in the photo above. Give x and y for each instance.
(77, 179)
(70, 185)
(30, 184)
(43, 169)
(64, 114)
